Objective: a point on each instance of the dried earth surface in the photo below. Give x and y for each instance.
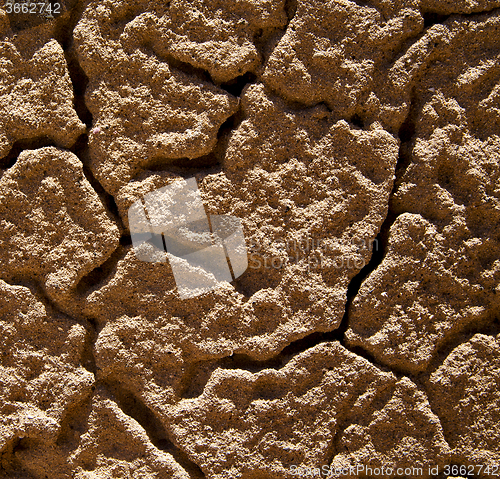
(359, 145)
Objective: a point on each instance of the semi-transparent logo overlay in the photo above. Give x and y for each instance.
(170, 223)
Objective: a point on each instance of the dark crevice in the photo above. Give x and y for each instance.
(230, 125)
(265, 42)
(80, 81)
(406, 134)
(185, 166)
(126, 240)
(353, 289)
(42, 295)
(176, 64)
(394, 54)
(102, 272)
(356, 120)
(380, 245)
(81, 149)
(433, 18)
(134, 407)
(198, 374)
(25, 144)
(293, 106)
(65, 26)
(290, 9)
(107, 199)
(236, 86)
(87, 357)
(64, 35)
(201, 371)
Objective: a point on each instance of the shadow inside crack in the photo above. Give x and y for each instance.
(75, 422)
(81, 150)
(185, 167)
(99, 274)
(433, 18)
(79, 80)
(25, 144)
(235, 87)
(134, 407)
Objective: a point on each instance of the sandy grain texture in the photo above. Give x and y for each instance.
(359, 145)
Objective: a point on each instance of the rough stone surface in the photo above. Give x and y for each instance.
(36, 95)
(309, 223)
(115, 445)
(41, 376)
(445, 7)
(146, 110)
(290, 416)
(332, 51)
(53, 228)
(441, 270)
(215, 36)
(415, 301)
(401, 420)
(465, 395)
(357, 143)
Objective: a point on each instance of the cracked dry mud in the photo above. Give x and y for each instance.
(358, 143)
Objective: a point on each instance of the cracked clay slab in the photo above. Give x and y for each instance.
(250, 425)
(41, 376)
(53, 226)
(36, 94)
(441, 271)
(464, 392)
(327, 195)
(334, 52)
(334, 132)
